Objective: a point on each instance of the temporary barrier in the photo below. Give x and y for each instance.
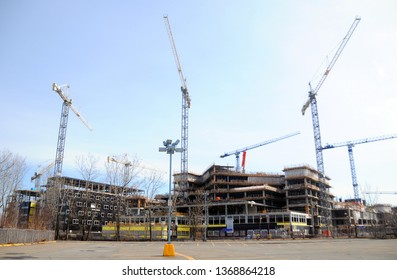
(14, 235)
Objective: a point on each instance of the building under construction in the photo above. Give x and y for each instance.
(287, 201)
(76, 206)
(219, 203)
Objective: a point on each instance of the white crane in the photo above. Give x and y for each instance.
(325, 207)
(350, 144)
(37, 175)
(67, 104)
(126, 162)
(380, 192)
(185, 110)
(313, 102)
(243, 150)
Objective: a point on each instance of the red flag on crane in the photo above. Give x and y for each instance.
(243, 160)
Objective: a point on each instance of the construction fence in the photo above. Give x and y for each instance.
(14, 235)
(362, 231)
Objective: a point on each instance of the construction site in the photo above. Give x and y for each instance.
(221, 202)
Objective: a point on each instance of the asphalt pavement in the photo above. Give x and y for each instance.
(303, 249)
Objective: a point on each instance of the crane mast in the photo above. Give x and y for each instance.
(66, 105)
(243, 150)
(350, 145)
(185, 110)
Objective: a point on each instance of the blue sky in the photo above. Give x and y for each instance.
(247, 66)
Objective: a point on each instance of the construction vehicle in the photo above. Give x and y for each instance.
(244, 150)
(67, 104)
(350, 145)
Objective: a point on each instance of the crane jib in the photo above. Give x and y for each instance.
(332, 63)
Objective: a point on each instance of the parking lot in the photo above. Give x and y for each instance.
(303, 249)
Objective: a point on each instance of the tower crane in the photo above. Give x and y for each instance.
(313, 102)
(325, 207)
(128, 164)
(125, 162)
(126, 178)
(185, 109)
(37, 175)
(244, 150)
(67, 104)
(350, 145)
(380, 192)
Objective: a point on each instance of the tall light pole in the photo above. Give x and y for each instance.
(170, 148)
(205, 216)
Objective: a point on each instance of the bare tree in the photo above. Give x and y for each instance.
(197, 214)
(12, 213)
(151, 184)
(47, 209)
(13, 168)
(87, 166)
(41, 215)
(121, 173)
(55, 200)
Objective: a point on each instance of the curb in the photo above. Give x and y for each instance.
(24, 244)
